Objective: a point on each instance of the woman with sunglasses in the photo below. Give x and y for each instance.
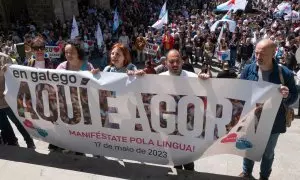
(39, 57)
(38, 60)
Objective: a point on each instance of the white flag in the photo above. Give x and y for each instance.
(232, 5)
(219, 40)
(116, 20)
(254, 39)
(284, 7)
(240, 4)
(163, 11)
(99, 36)
(160, 23)
(221, 34)
(75, 31)
(232, 25)
(294, 15)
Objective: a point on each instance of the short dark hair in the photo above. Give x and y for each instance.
(79, 50)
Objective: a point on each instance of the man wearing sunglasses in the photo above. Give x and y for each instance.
(38, 58)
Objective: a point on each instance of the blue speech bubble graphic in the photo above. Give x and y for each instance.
(42, 132)
(243, 144)
(224, 56)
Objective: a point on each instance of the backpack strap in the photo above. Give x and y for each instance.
(31, 62)
(280, 74)
(282, 82)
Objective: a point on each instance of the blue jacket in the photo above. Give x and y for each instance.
(251, 73)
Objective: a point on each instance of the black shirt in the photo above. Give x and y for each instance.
(188, 67)
(227, 74)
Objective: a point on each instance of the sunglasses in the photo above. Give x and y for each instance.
(38, 48)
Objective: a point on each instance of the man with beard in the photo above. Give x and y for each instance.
(174, 64)
(267, 69)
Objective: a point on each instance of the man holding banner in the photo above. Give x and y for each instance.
(266, 69)
(174, 64)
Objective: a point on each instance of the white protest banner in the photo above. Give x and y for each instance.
(53, 51)
(151, 49)
(156, 119)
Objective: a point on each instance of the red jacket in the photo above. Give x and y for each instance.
(168, 42)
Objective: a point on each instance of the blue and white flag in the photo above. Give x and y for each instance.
(227, 15)
(163, 11)
(160, 23)
(284, 7)
(232, 5)
(219, 40)
(225, 19)
(116, 20)
(75, 31)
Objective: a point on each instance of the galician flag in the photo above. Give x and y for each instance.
(284, 7)
(294, 15)
(163, 11)
(225, 19)
(160, 23)
(116, 20)
(75, 31)
(99, 36)
(232, 5)
(227, 15)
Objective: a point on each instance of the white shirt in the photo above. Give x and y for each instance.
(184, 73)
(39, 64)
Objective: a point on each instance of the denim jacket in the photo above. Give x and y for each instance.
(251, 73)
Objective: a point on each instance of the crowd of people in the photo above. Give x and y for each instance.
(259, 39)
(188, 31)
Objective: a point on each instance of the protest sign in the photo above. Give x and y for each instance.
(151, 49)
(157, 119)
(224, 55)
(89, 43)
(53, 51)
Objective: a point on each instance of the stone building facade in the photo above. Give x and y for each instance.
(44, 10)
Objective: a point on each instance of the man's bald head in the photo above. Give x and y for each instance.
(174, 52)
(267, 44)
(264, 53)
(174, 62)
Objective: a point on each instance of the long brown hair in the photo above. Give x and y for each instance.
(125, 51)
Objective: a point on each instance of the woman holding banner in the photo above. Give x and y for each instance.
(74, 59)
(74, 62)
(120, 61)
(39, 57)
(39, 60)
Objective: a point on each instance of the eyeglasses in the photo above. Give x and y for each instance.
(38, 48)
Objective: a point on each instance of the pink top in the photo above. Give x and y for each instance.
(86, 66)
